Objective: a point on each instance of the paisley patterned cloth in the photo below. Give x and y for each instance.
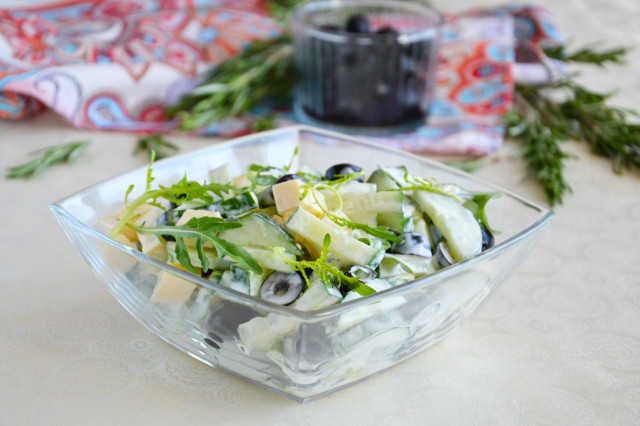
(115, 64)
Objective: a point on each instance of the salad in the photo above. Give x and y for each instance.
(304, 239)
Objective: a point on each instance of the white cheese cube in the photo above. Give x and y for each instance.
(221, 174)
(241, 181)
(152, 246)
(124, 240)
(287, 196)
(191, 213)
(113, 219)
(150, 243)
(172, 289)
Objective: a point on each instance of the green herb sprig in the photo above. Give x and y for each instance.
(541, 122)
(65, 153)
(264, 69)
(203, 230)
(414, 183)
(180, 192)
(342, 179)
(155, 143)
(587, 55)
(325, 271)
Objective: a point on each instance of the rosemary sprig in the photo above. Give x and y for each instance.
(588, 55)
(56, 154)
(541, 121)
(264, 69)
(162, 147)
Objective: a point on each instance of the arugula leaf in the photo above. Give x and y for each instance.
(52, 155)
(155, 143)
(180, 192)
(263, 175)
(325, 271)
(203, 230)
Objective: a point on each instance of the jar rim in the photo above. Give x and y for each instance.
(300, 23)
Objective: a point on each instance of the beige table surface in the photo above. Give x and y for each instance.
(558, 344)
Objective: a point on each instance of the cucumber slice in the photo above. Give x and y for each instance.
(354, 187)
(263, 333)
(358, 315)
(379, 202)
(398, 264)
(308, 227)
(260, 231)
(245, 281)
(383, 179)
(400, 221)
(346, 190)
(419, 224)
(317, 296)
(235, 206)
(381, 208)
(457, 224)
(269, 260)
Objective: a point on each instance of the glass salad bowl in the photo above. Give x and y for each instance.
(295, 353)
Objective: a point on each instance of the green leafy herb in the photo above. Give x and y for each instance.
(327, 272)
(541, 122)
(376, 231)
(478, 204)
(203, 230)
(414, 183)
(342, 179)
(291, 160)
(263, 175)
(260, 124)
(263, 70)
(155, 143)
(180, 192)
(542, 154)
(309, 177)
(50, 156)
(588, 55)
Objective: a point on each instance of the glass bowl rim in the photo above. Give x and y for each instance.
(546, 215)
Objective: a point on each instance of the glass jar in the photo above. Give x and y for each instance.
(365, 66)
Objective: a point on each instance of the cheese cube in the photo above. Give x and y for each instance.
(172, 289)
(241, 181)
(221, 174)
(191, 213)
(150, 243)
(152, 246)
(287, 196)
(113, 219)
(124, 240)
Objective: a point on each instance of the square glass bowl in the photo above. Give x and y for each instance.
(302, 355)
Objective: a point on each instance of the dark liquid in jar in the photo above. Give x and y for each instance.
(382, 83)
